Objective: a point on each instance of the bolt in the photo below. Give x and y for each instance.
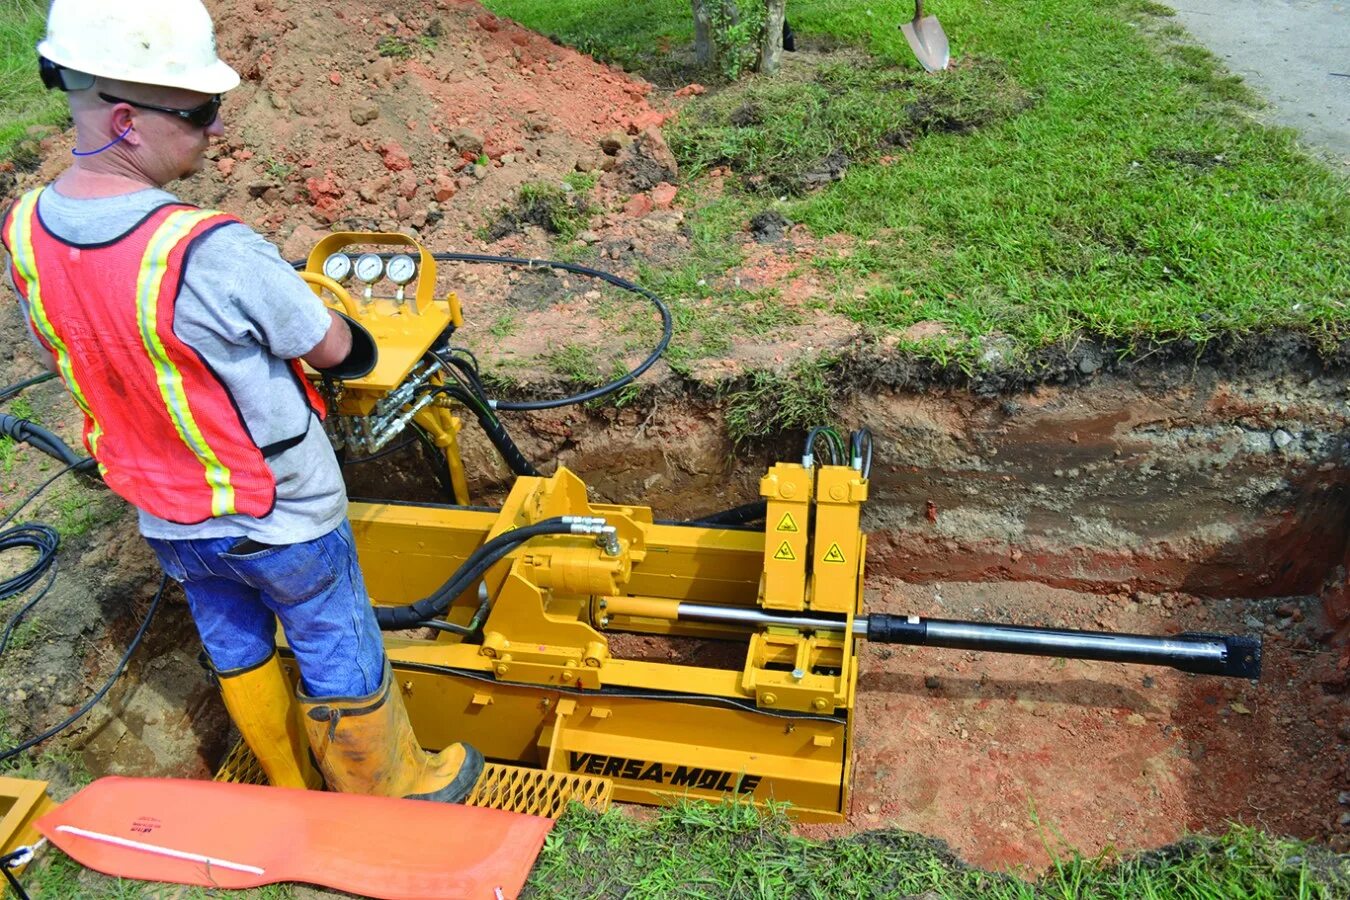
(770, 699)
(604, 604)
(818, 703)
(407, 687)
(604, 621)
(798, 674)
(489, 652)
(567, 677)
(502, 670)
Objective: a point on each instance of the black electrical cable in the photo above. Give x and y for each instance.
(14, 389)
(29, 499)
(43, 539)
(15, 619)
(32, 742)
(394, 618)
(667, 323)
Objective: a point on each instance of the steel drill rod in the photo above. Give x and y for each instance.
(1235, 656)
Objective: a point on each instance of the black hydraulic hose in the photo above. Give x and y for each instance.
(737, 515)
(393, 618)
(667, 323)
(440, 466)
(30, 433)
(13, 389)
(495, 431)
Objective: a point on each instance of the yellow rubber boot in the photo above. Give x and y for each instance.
(366, 745)
(261, 703)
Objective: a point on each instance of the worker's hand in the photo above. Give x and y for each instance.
(347, 351)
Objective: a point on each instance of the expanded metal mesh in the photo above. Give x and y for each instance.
(512, 788)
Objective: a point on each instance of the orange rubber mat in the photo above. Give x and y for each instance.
(241, 836)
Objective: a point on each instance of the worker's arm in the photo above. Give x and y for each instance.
(43, 353)
(335, 346)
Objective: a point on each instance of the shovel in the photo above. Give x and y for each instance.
(927, 40)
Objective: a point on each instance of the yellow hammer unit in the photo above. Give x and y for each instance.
(504, 626)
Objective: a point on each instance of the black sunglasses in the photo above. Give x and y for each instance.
(198, 116)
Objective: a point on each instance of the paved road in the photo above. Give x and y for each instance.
(1287, 50)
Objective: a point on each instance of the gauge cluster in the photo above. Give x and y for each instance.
(371, 268)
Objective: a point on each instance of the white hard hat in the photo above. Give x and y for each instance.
(170, 43)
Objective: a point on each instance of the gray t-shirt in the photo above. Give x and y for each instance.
(246, 312)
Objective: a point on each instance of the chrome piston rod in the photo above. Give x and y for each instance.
(1235, 656)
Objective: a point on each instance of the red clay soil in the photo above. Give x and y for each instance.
(1006, 757)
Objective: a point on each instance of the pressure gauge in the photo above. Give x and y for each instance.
(402, 269)
(338, 267)
(369, 268)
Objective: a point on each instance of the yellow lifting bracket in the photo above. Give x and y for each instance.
(787, 492)
(839, 544)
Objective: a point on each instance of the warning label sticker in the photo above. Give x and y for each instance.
(787, 523)
(785, 552)
(834, 554)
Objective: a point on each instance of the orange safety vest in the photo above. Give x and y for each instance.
(166, 433)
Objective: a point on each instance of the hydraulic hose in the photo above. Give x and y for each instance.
(393, 618)
(14, 389)
(30, 433)
(737, 515)
(493, 428)
(667, 323)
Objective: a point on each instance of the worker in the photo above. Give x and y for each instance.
(179, 332)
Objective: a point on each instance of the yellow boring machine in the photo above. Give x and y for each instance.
(499, 622)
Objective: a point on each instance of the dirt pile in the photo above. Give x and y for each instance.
(409, 115)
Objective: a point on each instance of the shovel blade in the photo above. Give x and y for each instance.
(929, 42)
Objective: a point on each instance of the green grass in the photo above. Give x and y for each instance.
(698, 851)
(8, 449)
(773, 402)
(1080, 171)
(574, 363)
(23, 101)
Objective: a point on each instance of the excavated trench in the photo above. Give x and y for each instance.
(1156, 499)
(1150, 499)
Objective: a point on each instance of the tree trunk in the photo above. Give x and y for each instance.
(704, 51)
(771, 44)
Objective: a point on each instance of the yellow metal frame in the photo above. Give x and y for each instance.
(542, 689)
(540, 685)
(22, 802)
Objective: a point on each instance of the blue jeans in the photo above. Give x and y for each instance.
(314, 588)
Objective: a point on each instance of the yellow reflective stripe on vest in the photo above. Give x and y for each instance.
(20, 239)
(150, 291)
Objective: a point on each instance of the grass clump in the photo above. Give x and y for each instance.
(773, 402)
(559, 212)
(788, 136)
